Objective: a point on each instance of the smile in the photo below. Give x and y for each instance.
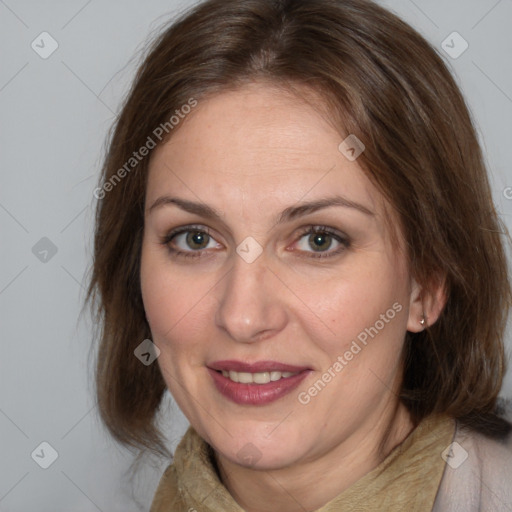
(256, 378)
(257, 383)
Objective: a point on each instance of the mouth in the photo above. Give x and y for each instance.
(256, 383)
(256, 378)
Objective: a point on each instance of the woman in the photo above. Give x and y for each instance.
(296, 237)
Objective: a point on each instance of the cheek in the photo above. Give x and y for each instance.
(349, 298)
(358, 305)
(174, 304)
(160, 294)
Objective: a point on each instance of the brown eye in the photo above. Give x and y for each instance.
(197, 240)
(320, 242)
(190, 241)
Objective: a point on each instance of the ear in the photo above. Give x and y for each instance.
(426, 303)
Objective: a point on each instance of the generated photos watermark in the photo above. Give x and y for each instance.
(147, 352)
(156, 136)
(304, 397)
(352, 148)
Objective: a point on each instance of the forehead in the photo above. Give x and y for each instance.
(258, 139)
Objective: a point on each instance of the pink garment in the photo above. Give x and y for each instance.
(477, 475)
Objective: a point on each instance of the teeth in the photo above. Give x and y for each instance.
(256, 378)
(260, 378)
(244, 378)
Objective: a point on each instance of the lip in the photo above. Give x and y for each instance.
(258, 366)
(256, 394)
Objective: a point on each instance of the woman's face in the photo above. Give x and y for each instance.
(281, 263)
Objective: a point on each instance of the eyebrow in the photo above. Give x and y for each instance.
(287, 215)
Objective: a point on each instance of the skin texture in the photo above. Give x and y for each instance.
(250, 154)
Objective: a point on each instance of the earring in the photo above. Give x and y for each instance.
(422, 321)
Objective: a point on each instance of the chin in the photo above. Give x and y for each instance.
(255, 448)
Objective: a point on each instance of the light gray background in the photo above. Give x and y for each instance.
(54, 114)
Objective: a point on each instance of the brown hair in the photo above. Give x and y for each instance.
(393, 91)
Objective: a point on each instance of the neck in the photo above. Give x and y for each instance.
(310, 485)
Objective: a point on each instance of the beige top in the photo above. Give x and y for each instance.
(407, 480)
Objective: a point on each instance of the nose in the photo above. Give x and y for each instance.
(251, 307)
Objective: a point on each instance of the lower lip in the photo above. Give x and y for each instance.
(256, 394)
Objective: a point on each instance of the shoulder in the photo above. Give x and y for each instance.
(190, 478)
(168, 496)
(477, 475)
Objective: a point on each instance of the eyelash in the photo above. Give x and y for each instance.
(308, 230)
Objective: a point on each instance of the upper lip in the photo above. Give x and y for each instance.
(256, 367)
